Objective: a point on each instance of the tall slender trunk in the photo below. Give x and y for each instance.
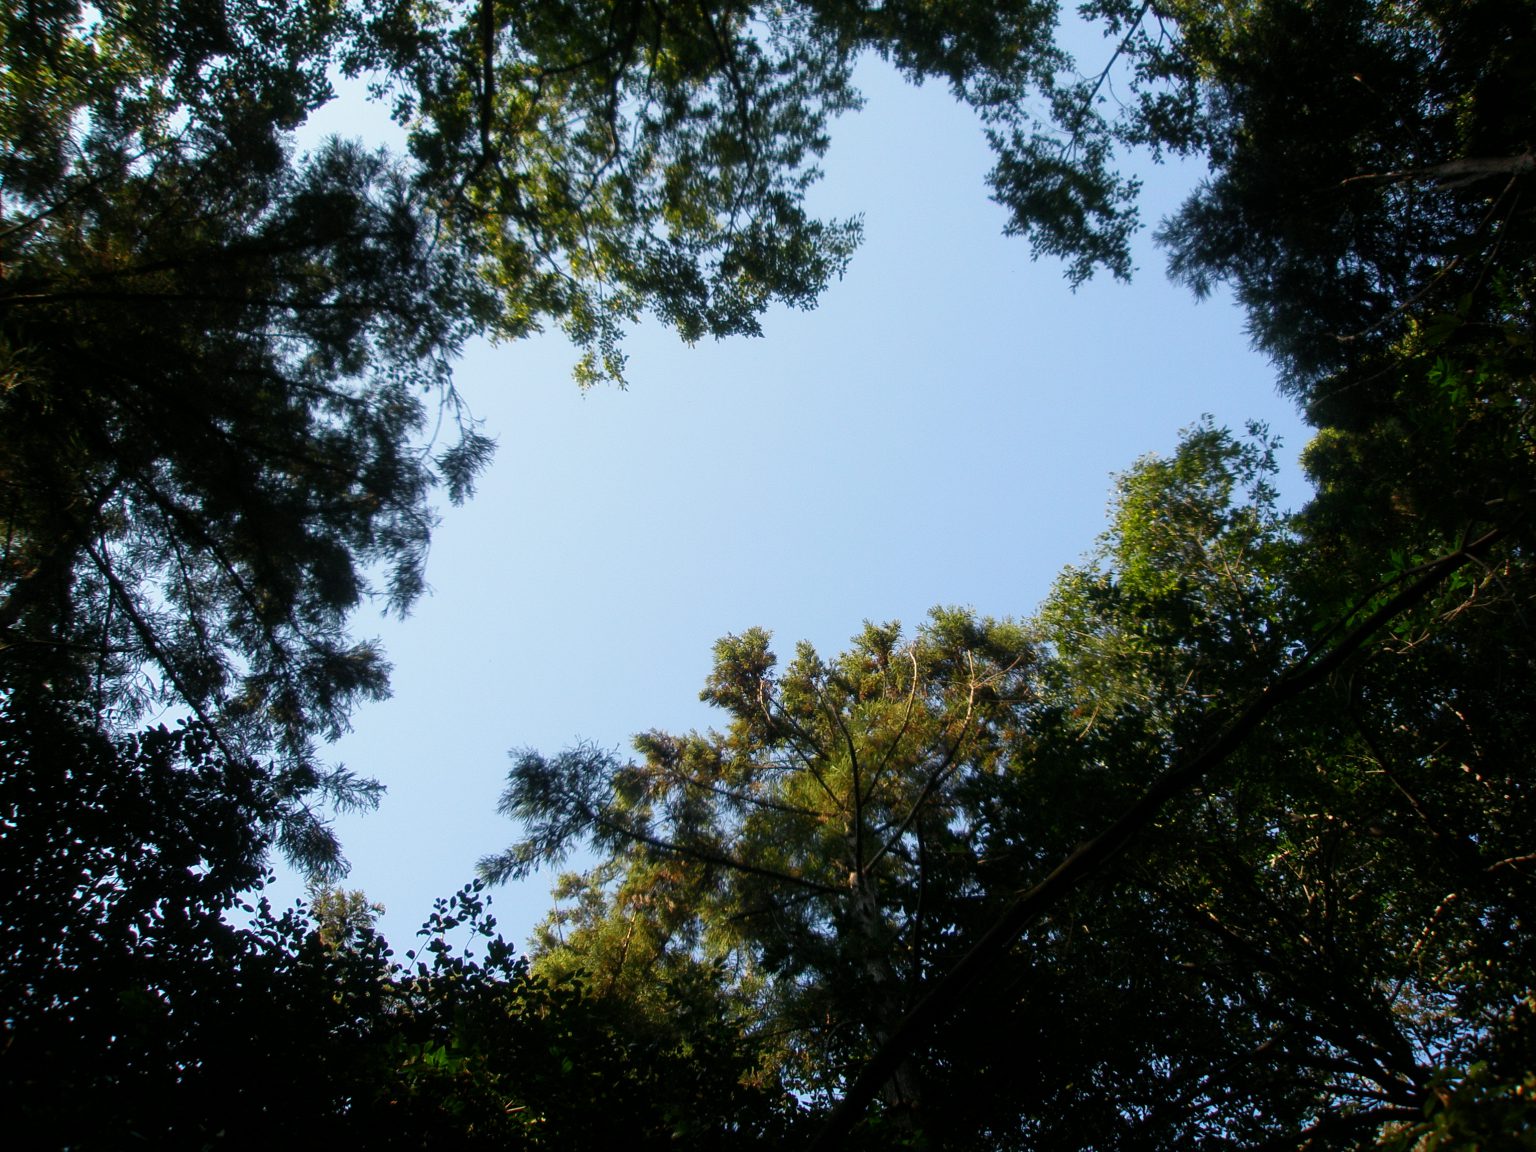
(887, 998)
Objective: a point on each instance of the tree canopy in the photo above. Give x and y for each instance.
(1228, 845)
(812, 852)
(1224, 940)
(228, 398)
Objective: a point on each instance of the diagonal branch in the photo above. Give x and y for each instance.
(906, 720)
(857, 811)
(935, 778)
(1089, 857)
(1454, 173)
(705, 856)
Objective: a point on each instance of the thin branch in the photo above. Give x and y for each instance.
(857, 809)
(935, 778)
(1450, 266)
(705, 856)
(906, 719)
(1345, 1122)
(739, 798)
(1087, 104)
(765, 703)
(1453, 173)
(56, 564)
(1511, 862)
(151, 641)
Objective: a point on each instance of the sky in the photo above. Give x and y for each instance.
(942, 428)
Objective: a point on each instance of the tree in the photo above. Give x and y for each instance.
(130, 977)
(1274, 892)
(479, 1051)
(215, 355)
(1278, 920)
(978, 755)
(138, 975)
(1374, 219)
(1367, 202)
(223, 360)
(1270, 955)
(342, 918)
(817, 858)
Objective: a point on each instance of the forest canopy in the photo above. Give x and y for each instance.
(1228, 844)
(230, 399)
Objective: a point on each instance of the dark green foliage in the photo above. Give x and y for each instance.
(1367, 163)
(124, 978)
(1309, 945)
(1371, 206)
(479, 1052)
(1305, 945)
(134, 977)
(222, 360)
(1370, 203)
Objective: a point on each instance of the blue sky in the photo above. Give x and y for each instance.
(942, 429)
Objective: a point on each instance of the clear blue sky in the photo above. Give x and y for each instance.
(941, 429)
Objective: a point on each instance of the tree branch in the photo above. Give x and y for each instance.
(487, 76)
(1453, 173)
(704, 856)
(931, 785)
(1092, 855)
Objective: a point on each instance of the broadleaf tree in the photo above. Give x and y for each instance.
(221, 358)
(1281, 953)
(224, 358)
(1368, 201)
